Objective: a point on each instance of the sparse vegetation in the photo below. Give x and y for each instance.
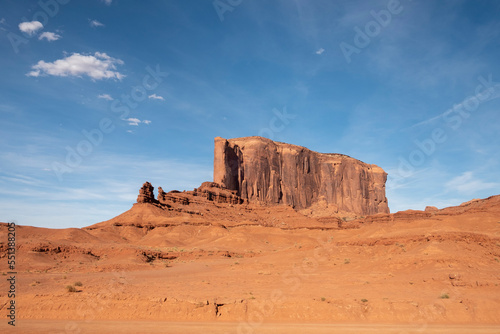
(78, 283)
(323, 299)
(364, 300)
(496, 259)
(347, 261)
(444, 296)
(70, 288)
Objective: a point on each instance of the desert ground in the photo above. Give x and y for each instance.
(261, 269)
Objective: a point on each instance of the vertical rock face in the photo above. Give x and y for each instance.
(262, 170)
(146, 194)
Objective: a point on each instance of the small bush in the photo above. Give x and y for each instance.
(364, 300)
(347, 261)
(78, 283)
(444, 296)
(70, 288)
(323, 299)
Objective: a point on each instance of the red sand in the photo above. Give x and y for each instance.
(413, 270)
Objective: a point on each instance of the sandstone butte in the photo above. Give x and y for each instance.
(259, 170)
(269, 172)
(284, 235)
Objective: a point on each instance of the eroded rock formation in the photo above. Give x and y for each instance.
(208, 191)
(259, 169)
(215, 192)
(146, 194)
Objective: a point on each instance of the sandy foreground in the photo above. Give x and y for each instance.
(410, 272)
(54, 326)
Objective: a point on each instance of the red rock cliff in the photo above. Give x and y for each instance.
(262, 170)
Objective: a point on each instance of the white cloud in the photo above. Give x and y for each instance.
(320, 51)
(156, 97)
(136, 121)
(3, 21)
(30, 28)
(95, 23)
(107, 2)
(467, 184)
(133, 121)
(105, 97)
(98, 66)
(49, 36)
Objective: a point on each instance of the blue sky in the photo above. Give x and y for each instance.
(98, 97)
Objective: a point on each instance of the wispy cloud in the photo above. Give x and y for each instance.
(494, 93)
(156, 97)
(105, 97)
(320, 51)
(136, 121)
(3, 21)
(107, 2)
(468, 184)
(107, 191)
(30, 28)
(95, 24)
(49, 36)
(98, 66)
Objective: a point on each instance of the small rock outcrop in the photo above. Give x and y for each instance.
(261, 170)
(146, 194)
(207, 192)
(215, 192)
(431, 209)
